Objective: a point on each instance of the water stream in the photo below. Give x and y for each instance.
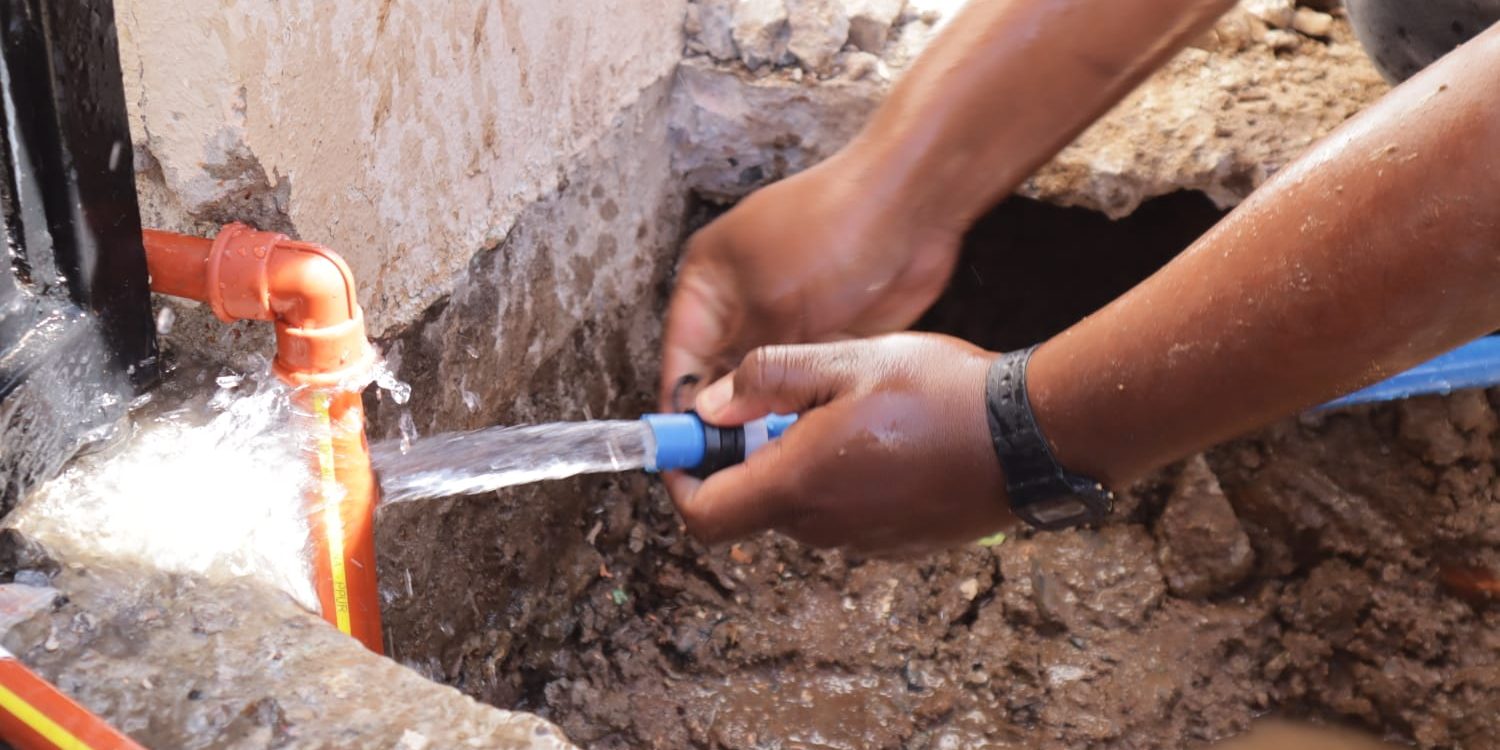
(467, 463)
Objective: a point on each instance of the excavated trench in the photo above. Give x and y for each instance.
(1297, 572)
(1319, 569)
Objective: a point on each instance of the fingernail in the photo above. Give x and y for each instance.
(684, 391)
(716, 396)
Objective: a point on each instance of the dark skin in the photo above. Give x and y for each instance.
(1375, 251)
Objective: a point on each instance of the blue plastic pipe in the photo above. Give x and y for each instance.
(1473, 365)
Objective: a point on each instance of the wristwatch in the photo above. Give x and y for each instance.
(1042, 492)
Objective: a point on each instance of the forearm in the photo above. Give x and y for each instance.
(1006, 86)
(1375, 251)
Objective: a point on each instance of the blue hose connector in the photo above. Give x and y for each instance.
(686, 443)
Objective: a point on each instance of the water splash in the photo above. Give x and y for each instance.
(467, 463)
(385, 379)
(210, 486)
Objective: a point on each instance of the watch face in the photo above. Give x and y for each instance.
(1059, 512)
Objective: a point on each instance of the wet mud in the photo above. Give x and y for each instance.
(1297, 573)
(1330, 568)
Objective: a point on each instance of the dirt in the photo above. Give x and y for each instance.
(1063, 640)
(1326, 603)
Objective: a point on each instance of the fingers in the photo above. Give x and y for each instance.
(782, 379)
(696, 329)
(743, 499)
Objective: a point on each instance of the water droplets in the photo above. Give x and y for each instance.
(386, 380)
(408, 428)
(164, 320)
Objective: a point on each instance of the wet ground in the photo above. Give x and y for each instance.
(1298, 572)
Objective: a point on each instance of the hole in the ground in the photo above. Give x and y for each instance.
(1031, 269)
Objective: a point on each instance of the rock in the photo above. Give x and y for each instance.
(1083, 581)
(1444, 431)
(870, 22)
(861, 65)
(819, 29)
(1278, 14)
(1237, 31)
(1283, 41)
(969, 589)
(1235, 119)
(760, 31)
(1313, 23)
(716, 28)
(1202, 549)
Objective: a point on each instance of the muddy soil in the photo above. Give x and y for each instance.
(1297, 572)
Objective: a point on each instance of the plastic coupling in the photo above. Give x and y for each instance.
(306, 289)
(684, 442)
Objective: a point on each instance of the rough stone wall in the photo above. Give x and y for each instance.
(406, 135)
(559, 321)
(1220, 118)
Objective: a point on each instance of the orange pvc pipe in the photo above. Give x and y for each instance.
(34, 715)
(342, 513)
(308, 292)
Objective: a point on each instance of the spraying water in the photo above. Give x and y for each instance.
(209, 486)
(467, 463)
(485, 460)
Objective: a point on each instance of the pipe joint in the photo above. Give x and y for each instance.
(307, 290)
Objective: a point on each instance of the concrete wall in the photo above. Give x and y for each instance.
(406, 134)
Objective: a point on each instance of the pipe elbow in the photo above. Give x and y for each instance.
(320, 328)
(307, 290)
(309, 286)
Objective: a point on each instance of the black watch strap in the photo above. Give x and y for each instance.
(1042, 493)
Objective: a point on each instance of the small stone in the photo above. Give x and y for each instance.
(1283, 41)
(760, 31)
(861, 65)
(1203, 549)
(739, 555)
(1236, 32)
(51, 644)
(819, 29)
(1313, 23)
(969, 589)
(1278, 14)
(870, 22)
(716, 28)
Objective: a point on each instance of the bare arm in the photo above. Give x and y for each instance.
(1008, 84)
(1376, 250)
(864, 242)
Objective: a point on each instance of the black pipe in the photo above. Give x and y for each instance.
(77, 340)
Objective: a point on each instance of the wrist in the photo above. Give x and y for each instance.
(1040, 488)
(911, 187)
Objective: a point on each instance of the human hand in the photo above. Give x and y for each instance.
(891, 454)
(830, 253)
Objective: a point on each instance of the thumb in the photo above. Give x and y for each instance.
(781, 379)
